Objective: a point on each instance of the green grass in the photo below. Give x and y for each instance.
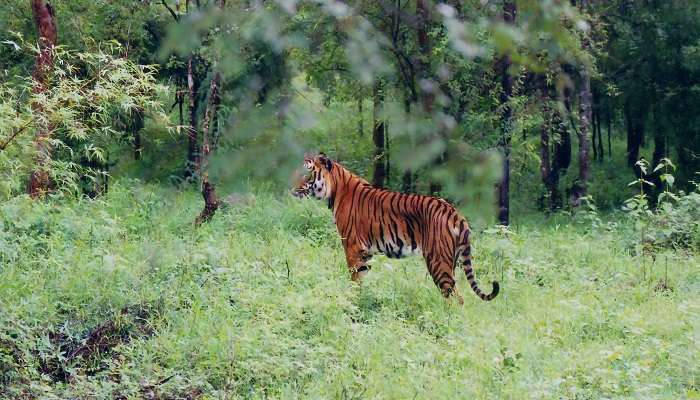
(258, 304)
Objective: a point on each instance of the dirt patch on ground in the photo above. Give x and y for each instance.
(65, 357)
(87, 354)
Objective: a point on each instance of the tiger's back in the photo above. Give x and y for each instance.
(397, 224)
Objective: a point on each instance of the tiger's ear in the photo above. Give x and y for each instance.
(325, 161)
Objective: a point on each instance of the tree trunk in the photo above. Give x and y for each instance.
(180, 96)
(423, 18)
(211, 202)
(580, 187)
(426, 94)
(658, 154)
(193, 156)
(562, 147)
(631, 158)
(601, 152)
(509, 12)
(45, 23)
(387, 156)
(635, 133)
(361, 119)
(378, 135)
(408, 176)
(594, 135)
(609, 122)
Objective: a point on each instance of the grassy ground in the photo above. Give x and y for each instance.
(123, 298)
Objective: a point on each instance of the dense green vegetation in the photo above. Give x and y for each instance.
(149, 247)
(257, 303)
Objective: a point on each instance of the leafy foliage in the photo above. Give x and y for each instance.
(257, 303)
(119, 296)
(86, 92)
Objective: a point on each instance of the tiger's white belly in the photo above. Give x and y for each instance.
(405, 251)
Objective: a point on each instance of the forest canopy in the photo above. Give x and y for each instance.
(539, 85)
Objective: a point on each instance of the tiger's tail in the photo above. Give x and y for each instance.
(465, 258)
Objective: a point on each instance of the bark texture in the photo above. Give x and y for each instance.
(503, 192)
(378, 136)
(45, 22)
(580, 187)
(585, 97)
(211, 201)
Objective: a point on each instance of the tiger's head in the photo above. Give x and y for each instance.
(316, 181)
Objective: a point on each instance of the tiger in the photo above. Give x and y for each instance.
(372, 220)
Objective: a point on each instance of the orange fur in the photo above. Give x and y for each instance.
(371, 220)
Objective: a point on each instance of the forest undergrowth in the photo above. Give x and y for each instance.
(122, 297)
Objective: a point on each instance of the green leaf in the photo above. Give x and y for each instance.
(668, 178)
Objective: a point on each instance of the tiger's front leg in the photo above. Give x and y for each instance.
(357, 258)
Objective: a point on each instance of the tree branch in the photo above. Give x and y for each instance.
(15, 134)
(172, 12)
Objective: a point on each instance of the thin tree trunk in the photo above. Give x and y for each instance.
(211, 202)
(423, 18)
(640, 132)
(509, 12)
(180, 105)
(387, 156)
(562, 147)
(193, 156)
(594, 135)
(601, 147)
(45, 23)
(361, 119)
(631, 158)
(609, 122)
(564, 153)
(561, 157)
(378, 135)
(407, 178)
(580, 187)
(635, 133)
(427, 97)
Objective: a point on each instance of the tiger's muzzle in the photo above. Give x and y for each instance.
(301, 193)
(303, 189)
